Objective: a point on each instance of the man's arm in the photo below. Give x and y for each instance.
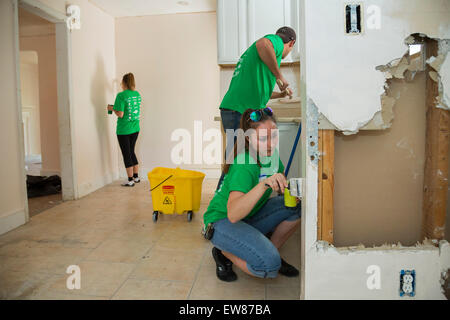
(278, 95)
(266, 52)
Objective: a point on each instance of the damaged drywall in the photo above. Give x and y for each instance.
(340, 69)
(356, 270)
(338, 73)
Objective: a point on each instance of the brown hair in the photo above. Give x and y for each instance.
(246, 124)
(128, 81)
(286, 34)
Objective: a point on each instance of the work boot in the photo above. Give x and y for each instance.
(288, 270)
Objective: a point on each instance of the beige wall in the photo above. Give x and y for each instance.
(39, 35)
(12, 196)
(379, 175)
(174, 60)
(93, 74)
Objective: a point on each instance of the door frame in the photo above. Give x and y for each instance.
(65, 96)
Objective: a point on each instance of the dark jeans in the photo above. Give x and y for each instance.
(230, 120)
(246, 238)
(127, 142)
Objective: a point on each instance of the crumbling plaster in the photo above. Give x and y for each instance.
(343, 80)
(339, 80)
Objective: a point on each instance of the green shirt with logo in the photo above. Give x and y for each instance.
(244, 174)
(128, 101)
(253, 82)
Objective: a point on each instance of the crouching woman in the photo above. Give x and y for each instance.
(242, 211)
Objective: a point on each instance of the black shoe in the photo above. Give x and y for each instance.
(224, 267)
(288, 270)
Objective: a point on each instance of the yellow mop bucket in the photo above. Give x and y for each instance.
(175, 191)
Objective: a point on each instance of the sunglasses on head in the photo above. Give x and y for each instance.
(257, 114)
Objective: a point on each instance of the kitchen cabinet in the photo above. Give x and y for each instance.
(242, 22)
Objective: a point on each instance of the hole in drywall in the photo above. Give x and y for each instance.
(312, 158)
(312, 144)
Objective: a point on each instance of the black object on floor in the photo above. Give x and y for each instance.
(38, 186)
(224, 267)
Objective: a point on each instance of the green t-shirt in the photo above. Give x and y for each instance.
(253, 82)
(244, 174)
(129, 102)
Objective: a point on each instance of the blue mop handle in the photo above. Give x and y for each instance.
(294, 147)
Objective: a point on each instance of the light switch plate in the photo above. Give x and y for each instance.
(407, 283)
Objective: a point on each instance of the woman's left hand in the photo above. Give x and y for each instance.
(110, 107)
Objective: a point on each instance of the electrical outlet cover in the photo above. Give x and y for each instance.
(407, 283)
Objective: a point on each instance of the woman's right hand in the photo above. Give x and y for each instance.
(277, 182)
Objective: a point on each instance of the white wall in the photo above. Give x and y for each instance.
(338, 76)
(13, 203)
(174, 60)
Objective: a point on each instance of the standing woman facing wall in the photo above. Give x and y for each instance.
(127, 108)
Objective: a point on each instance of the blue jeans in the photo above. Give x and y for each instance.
(230, 120)
(246, 238)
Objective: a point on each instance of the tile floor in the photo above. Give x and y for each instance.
(123, 254)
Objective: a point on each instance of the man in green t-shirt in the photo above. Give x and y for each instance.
(254, 79)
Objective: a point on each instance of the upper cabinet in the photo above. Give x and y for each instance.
(242, 22)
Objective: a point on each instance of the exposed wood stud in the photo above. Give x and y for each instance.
(325, 203)
(436, 159)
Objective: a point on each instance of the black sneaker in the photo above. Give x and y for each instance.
(288, 270)
(224, 267)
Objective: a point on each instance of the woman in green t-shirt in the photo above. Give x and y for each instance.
(243, 212)
(127, 108)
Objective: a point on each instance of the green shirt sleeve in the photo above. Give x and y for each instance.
(241, 178)
(119, 104)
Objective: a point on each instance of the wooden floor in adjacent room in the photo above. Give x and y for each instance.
(123, 254)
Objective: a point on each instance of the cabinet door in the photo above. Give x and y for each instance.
(231, 30)
(266, 17)
(242, 22)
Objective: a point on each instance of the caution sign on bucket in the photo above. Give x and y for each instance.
(169, 198)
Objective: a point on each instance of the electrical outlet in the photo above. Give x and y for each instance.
(407, 283)
(353, 18)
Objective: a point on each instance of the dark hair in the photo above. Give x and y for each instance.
(286, 34)
(128, 81)
(246, 124)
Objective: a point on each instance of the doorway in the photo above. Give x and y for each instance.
(44, 93)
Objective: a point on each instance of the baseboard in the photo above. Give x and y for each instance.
(88, 187)
(210, 173)
(10, 221)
